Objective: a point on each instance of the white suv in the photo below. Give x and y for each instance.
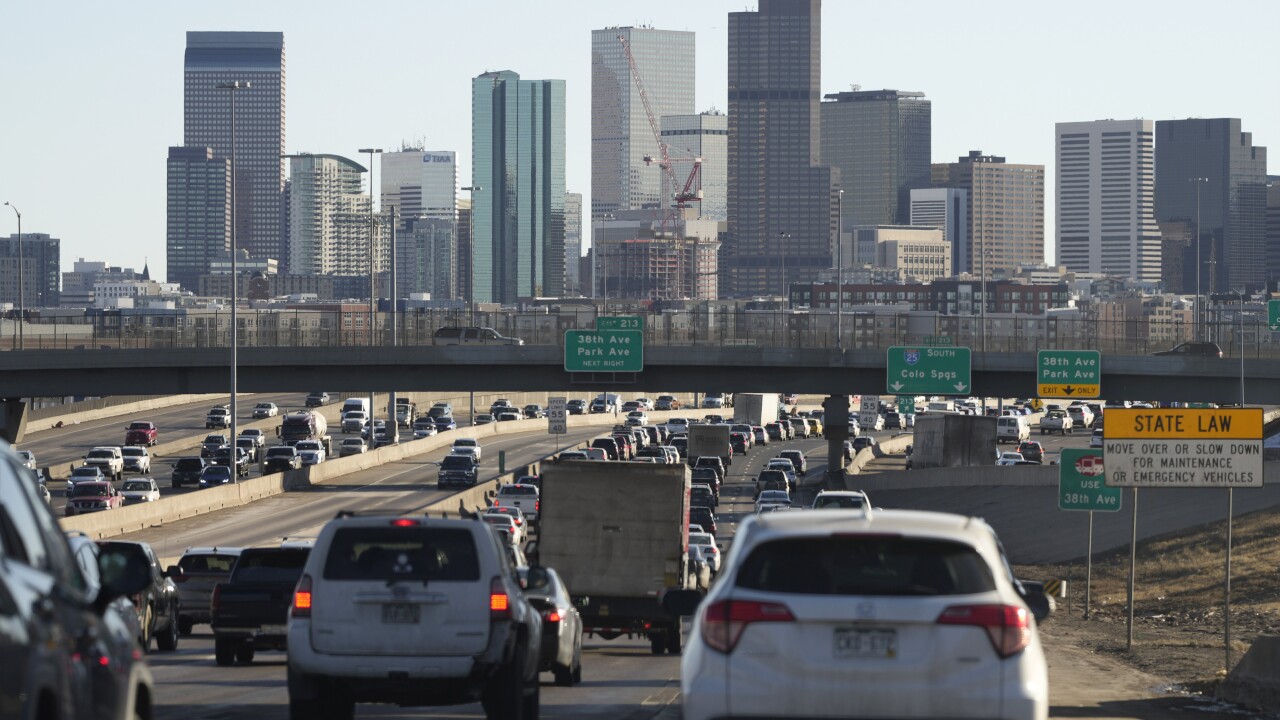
(896, 613)
(411, 611)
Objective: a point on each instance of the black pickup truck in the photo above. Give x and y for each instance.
(250, 611)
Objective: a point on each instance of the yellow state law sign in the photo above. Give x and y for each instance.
(1184, 423)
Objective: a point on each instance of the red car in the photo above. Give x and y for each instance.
(89, 497)
(141, 432)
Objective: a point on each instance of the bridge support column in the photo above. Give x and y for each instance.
(13, 420)
(835, 428)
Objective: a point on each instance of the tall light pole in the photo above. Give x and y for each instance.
(1199, 181)
(21, 305)
(232, 88)
(783, 237)
(839, 270)
(395, 340)
(1226, 588)
(373, 292)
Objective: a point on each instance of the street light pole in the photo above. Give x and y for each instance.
(373, 292)
(783, 237)
(840, 271)
(21, 304)
(1199, 181)
(232, 88)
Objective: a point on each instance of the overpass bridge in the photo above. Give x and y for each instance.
(726, 368)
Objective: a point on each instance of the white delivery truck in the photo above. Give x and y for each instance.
(755, 408)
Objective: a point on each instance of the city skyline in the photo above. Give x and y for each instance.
(122, 221)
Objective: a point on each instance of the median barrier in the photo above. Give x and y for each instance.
(1255, 680)
(71, 418)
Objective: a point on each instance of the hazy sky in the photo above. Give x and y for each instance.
(92, 93)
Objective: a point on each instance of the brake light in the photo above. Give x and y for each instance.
(725, 620)
(302, 598)
(1007, 626)
(404, 522)
(499, 601)
(553, 616)
(537, 505)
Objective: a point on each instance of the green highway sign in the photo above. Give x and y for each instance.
(939, 340)
(906, 405)
(928, 371)
(603, 351)
(620, 322)
(1082, 484)
(1273, 314)
(1069, 373)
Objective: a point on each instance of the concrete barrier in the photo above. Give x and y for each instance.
(71, 418)
(1255, 680)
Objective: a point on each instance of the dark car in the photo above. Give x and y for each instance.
(576, 407)
(1032, 451)
(222, 456)
(609, 445)
(892, 421)
(1194, 349)
(458, 470)
(534, 411)
(281, 458)
(186, 471)
(703, 516)
(713, 462)
(202, 569)
(158, 603)
(708, 476)
(445, 422)
(702, 495)
(798, 460)
(738, 441)
(317, 399)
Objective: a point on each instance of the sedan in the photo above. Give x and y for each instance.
(773, 497)
(483, 419)
(709, 549)
(351, 446)
(1097, 440)
(264, 410)
(445, 422)
(424, 427)
(140, 490)
(561, 625)
(215, 475)
(506, 526)
(534, 412)
(945, 632)
(1010, 458)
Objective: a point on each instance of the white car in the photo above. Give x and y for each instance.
(258, 435)
(896, 613)
(468, 446)
(513, 532)
(136, 459)
(264, 410)
(1097, 440)
(140, 490)
(773, 497)
(311, 451)
(645, 402)
(28, 459)
(354, 421)
(424, 427)
(636, 418)
(1010, 458)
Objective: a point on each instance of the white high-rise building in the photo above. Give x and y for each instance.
(621, 136)
(1106, 198)
(947, 209)
(704, 136)
(420, 183)
(329, 232)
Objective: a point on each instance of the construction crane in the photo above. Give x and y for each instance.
(686, 194)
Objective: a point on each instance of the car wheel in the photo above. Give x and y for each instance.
(577, 668)
(168, 640)
(145, 640)
(185, 626)
(532, 700)
(504, 694)
(224, 652)
(675, 636)
(244, 653)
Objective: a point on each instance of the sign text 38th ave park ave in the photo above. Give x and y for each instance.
(603, 351)
(1184, 447)
(928, 371)
(1069, 373)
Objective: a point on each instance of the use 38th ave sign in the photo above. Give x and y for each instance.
(1184, 447)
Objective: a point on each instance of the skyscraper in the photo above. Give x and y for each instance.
(1273, 229)
(1231, 239)
(781, 203)
(572, 242)
(198, 217)
(1006, 210)
(621, 136)
(881, 141)
(41, 265)
(330, 230)
(257, 58)
(420, 183)
(947, 209)
(517, 157)
(706, 136)
(1106, 198)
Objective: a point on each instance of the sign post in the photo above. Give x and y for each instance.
(928, 371)
(1069, 373)
(1080, 487)
(557, 418)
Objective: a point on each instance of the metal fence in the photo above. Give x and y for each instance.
(711, 328)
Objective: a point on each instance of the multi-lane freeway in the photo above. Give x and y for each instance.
(622, 679)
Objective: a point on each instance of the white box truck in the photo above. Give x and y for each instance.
(618, 534)
(755, 408)
(710, 440)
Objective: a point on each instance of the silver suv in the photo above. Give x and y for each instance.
(411, 611)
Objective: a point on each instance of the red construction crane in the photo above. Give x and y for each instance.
(686, 195)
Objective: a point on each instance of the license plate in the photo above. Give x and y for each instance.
(853, 643)
(272, 630)
(399, 613)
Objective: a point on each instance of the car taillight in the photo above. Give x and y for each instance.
(213, 599)
(302, 598)
(725, 620)
(1008, 626)
(553, 616)
(537, 505)
(499, 601)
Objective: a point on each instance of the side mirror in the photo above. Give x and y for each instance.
(1033, 594)
(678, 603)
(175, 572)
(121, 573)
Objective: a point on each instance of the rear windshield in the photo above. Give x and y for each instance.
(866, 565)
(528, 490)
(837, 501)
(101, 454)
(280, 452)
(140, 426)
(137, 485)
(188, 464)
(420, 553)
(284, 566)
(207, 563)
(766, 475)
(89, 490)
